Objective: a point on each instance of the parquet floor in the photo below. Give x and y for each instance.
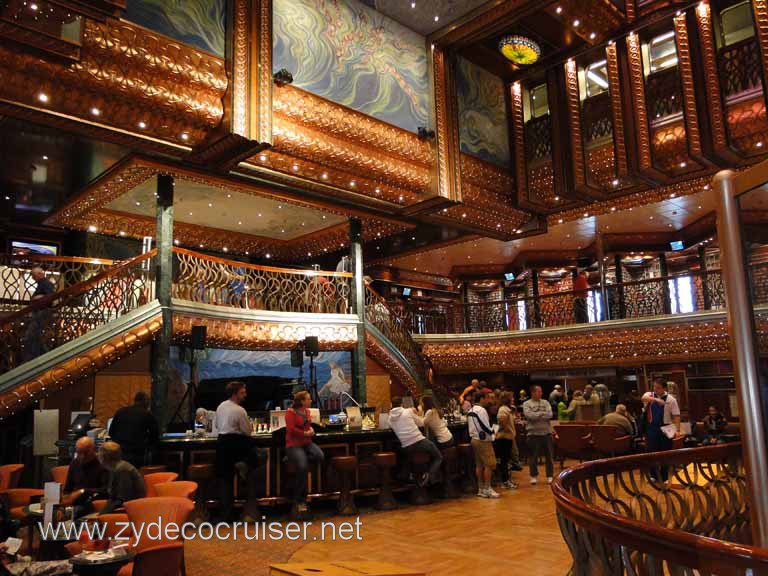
(516, 534)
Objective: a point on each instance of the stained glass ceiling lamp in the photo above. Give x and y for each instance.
(519, 50)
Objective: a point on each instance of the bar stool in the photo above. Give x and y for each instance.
(467, 467)
(345, 466)
(204, 475)
(385, 462)
(419, 465)
(448, 469)
(144, 470)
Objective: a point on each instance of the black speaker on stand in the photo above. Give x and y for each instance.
(312, 349)
(197, 342)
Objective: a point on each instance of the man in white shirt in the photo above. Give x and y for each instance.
(481, 435)
(233, 443)
(405, 423)
(661, 410)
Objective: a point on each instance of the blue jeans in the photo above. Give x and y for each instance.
(300, 456)
(435, 457)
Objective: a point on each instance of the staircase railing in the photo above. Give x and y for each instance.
(618, 519)
(53, 320)
(17, 284)
(396, 329)
(212, 280)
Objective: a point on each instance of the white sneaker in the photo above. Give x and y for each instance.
(549, 479)
(534, 480)
(491, 493)
(482, 493)
(509, 484)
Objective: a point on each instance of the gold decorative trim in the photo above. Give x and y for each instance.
(263, 72)
(712, 85)
(687, 85)
(614, 89)
(517, 120)
(78, 367)
(448, 182)
(637, 86)
(574, 120)
(240, 68)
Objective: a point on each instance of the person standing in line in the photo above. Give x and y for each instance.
(35, 336)
(580, 294)
(300, 450)
(135, 428)
(538, 414)
(506, 440)
(232, 444)
(481, 435)
(661, 410)
(555, 397)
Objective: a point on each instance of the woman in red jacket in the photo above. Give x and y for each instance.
(299, 448)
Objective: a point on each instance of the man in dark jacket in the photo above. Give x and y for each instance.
(135, 429)
(714, 426)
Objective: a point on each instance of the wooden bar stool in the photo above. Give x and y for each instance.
(385, 462)
(467, 467)
(419, 465)
(346, 466)
(448, 469)
(154, 469)
(204, 475)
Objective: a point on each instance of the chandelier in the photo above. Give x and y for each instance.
(520, 50)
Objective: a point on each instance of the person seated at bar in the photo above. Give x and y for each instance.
(204, 419)
(86, 477)
(621, 419)
(405, 423)
(232, 444)
(434, 423)
(300, 450)
(714, 426)
(125, 482)
(135, 428)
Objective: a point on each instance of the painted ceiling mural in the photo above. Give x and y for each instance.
(351, 54)
(201, 23)
(483, 128)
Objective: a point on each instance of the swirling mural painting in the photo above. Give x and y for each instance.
(201, 23)
(482, 113)
(351, 54)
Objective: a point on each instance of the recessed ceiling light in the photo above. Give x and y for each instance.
(615, 182)
(33, 6)
(413, 4)
(613, 208)
(138, 203)
(282, 230)
(43, 97)
(576, 23)
(247, 253)
(759, 144)
(92, 228)
(45, 157)
(184, 136)
(142, 125)
(259, 214)
(464, 215)
(352, 183)
(229, 195)
(121, 233)
(240, 223)
(592, 36)
(586, 214)
(190, 213)
(683, 164)
(324, 175)
(401, 198)
(437, 17)
(268, 255)
(279, 206)
(226, 249)
(263, 157)
(559, 220)
(295, 167)
(210, 205)
(95, 111)
(176, 241)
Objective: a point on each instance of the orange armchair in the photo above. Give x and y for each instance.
(9, 475)
(17, 498)
(609, 440)
(150, 480)
(180, 489)
(59, 474)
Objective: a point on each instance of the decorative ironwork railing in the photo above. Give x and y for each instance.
(740, 67)
(538, 138)
(662, 90)
(597, 117)
(637, 299)
(618, 519)
(395, 329)
(17, 284)
(212, 280)
(50, 321)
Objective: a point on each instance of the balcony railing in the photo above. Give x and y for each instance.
(618, 519)
(211, 280)
(48, 322)
(637, 299)
(17, 284)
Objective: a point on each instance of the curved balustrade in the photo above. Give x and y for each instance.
(211, 280)
(636, 299)
(17, 285)
(616, 519)
(53, 320)
(395, 329)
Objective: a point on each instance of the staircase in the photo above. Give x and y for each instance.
(54, 341)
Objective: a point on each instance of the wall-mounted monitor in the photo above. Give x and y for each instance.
(406, 291)
(509, 276)
(677, 245)
(27, 248)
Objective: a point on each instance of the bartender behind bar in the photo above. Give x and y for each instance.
(234, 450)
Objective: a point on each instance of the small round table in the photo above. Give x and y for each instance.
(106, 567)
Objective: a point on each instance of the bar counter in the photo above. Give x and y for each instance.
(178, 451)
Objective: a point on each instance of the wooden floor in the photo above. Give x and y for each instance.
(517, 533)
